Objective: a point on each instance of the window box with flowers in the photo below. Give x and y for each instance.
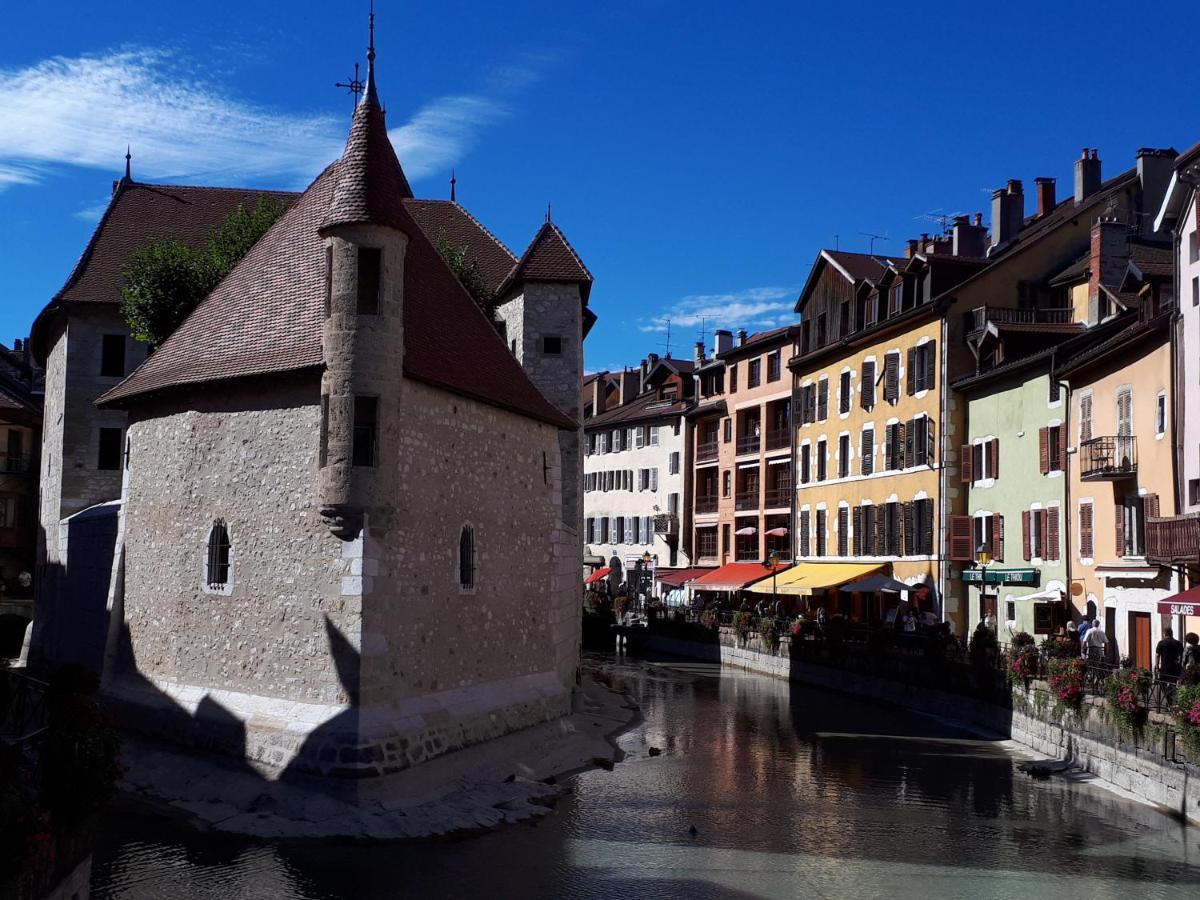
(1125, 690)
(1066, 682)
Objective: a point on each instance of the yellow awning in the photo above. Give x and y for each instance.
(805, 577)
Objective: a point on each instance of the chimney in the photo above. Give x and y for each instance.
(724, 340)
(967, 239)
(1045, 196)
(912, 249)
(699, 351)
(631, 385)
(1154, 170)
(1087, 175)
(17, 345)
(1008, 212)
(741, 336)
(599, 394)
(1109, 260)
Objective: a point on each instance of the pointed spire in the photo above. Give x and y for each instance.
(453, 182)
(547, 210)
(369, 94)
(128, 160)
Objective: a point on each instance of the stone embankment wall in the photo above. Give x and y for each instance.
(1148, 765)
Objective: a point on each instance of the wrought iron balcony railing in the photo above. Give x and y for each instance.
(1108, 458)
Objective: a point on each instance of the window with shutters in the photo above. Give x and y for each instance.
(823, 400)
(894, 446)
(1124, 412)
(891, 519)
(673, 465)
(918, 442)
(1131, 526)
(869, 531)
(867, 451)
(1085, 418)
(924, 526)
(867, 385)
(844, 393)
(921, 362)
(727, 484)
(961, 532)
(822, 454)
(980, 461)
(753, 373)
(618, 530)
(909, 514)
(1052, 448)
(653, 435)
(857, 520)
(843, 531)
(891, 378)
(218, 571)
(843, 456)
(821, 525)
(1050, 543)
(733, 376)
(1035, 533)
(805, 546)
(773, 366)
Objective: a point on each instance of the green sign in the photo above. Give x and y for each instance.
(1000, 576)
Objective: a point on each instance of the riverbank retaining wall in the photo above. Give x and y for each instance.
(1147, 765)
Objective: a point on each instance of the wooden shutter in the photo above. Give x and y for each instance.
(910, 529)
(994, 451)
(891, 377)
(1043, 524)
(843, 529)
(1062, 447)
(1085, 419)
(1044, 450)
(910, 440)
(898, 449)
(966, 460)
(867, 398)
(868, 451)
(881, 530)
(1119, 514)
(1085, 530)
(856, 520)
(1051, 551)
(823, 400)
(910, 374)
(998, 538)
(1151, 506)
(961, 530)
(804, 545)
(930, 366)
(1025, 536)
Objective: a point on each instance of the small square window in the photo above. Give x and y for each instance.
(109, 457)
(112, 356)
(552, 346)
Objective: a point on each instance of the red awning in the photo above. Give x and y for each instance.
(679, 577)
(597, 575)
(734, 576)
(1184, 604)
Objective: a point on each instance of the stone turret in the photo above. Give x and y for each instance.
(366, 234)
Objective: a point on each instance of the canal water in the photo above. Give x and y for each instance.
(791, 792)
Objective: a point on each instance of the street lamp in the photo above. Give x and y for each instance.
(983, 559)
(772, 563)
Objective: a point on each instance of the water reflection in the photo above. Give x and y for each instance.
(792, 791)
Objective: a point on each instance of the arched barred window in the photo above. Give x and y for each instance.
(217, 573)
(466, 557)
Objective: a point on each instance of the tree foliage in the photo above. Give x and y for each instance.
(465, 267)
(166, 280)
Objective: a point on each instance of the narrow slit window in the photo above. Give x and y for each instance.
(366, 419)
(217, 573)
(370, 264)
(466, 557)
(328, 281)
(324, 448)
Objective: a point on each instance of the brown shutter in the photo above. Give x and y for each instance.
(1051, 533)
(901, 437)
(994, 450)
(910, 440)
(804, 532)
(961, 530)
(881, 533)
(843, 525)
(1119, 513)
(868, 451)
(927, 543)
(1151, 506)
(998, 538)
(856, 519)
(1043, 534)
(910, 530)
(891, 377)
(1062, 447)
(867, 398)
(966, 458)
(823, 400)
(1085, 530)
(910, 373)
(1044, 450)
(1025, 536)
(930, 365)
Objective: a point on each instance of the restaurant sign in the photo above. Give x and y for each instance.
(1179, 609)
(1000, 576)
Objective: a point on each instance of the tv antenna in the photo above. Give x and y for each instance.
(666, 345)
(874, 238)
(703, 330)
(944, 220)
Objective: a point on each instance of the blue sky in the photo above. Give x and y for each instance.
(696, 154)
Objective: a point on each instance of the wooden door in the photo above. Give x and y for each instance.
(1139, 640)
(1110, 629)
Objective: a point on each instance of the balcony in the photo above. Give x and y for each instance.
(1108, 458)
(666, 524)
(706, 452)
(706, 505)
(979, 318)
(746, 500)
(1175, 539)
(779, 439)
(748, 444)
(778, 497)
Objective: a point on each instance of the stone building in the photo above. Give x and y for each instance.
(83, 343)
(349, 539)
(636, 479)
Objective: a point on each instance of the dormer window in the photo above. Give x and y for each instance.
(370, 270)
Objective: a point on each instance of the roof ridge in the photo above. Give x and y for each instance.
(209, 187)
(470, 215)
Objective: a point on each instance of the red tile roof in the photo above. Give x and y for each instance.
(266, 317)
(550, 257)
(137, 215)
(445, 217)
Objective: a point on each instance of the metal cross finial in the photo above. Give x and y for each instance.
(453, 182)
(547, 210)
(355, 85)
(371, 43)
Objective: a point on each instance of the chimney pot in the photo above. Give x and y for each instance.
(699, 351)
(1045, 196)
(741, 336)
(979, 219)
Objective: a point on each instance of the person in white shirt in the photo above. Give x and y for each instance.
(1096, 641)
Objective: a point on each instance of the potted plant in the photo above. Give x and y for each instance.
(1066, 681)
(743, 624)
(768, 630)
(709, 618)
(1125, 690)
(1187, 716)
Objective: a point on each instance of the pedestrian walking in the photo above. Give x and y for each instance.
(1096, 642)
(1191, 650)
(1168, 657)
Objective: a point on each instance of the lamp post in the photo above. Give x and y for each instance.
(772, 563)
(983, 558)
(647, 574)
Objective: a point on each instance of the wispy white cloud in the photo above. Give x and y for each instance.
(83, 111)
(752, 308)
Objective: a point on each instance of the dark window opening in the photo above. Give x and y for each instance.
(112, 355)
(366, 417)
(370, 266)
(552, 346)
(218, 555)
(466, 557)
(324, 448)
(328, 280)
(111, 445)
